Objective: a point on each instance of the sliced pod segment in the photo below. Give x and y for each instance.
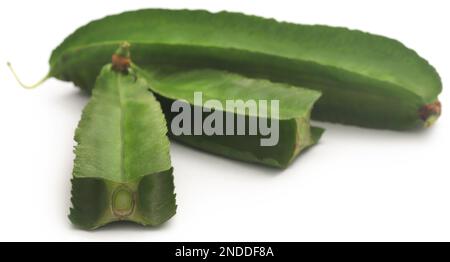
(288, 129)
(122, 169)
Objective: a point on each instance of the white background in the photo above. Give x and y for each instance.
(357, 184)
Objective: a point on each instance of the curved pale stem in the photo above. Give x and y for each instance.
(24, 85)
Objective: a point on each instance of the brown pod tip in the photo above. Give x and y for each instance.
(121, 58)
(429, 113)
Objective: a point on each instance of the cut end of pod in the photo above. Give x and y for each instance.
(149, 201)
(121, 58)
(429, 113)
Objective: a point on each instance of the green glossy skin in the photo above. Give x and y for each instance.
(122, 169)
(365, 79)
(295, 132)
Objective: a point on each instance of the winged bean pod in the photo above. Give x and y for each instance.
(366, 80)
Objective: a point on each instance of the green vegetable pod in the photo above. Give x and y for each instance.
(290, 130)
(366, 80)
(122, 169)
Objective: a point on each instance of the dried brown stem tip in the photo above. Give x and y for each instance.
(429, 113)
(121, 58)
